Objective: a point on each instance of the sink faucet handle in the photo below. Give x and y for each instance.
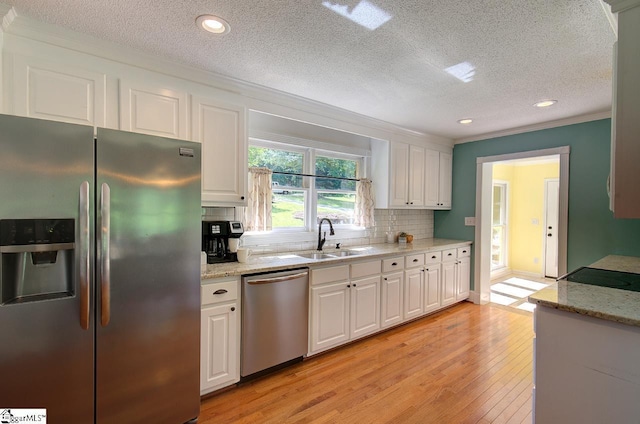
(337, 245)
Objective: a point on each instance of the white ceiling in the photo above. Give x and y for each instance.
(521, 51)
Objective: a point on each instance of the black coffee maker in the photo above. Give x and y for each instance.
(215, 240)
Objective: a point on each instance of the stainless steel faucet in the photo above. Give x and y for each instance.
(323, 239)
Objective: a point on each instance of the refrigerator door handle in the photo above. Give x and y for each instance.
(85, 255)
(105, 271)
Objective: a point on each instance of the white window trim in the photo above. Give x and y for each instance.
(309, 149)
(505, 203)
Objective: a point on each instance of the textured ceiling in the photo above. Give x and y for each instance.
(520, 51)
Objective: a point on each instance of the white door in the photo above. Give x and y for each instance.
(448, 283)
(552, 194)
(218, 355)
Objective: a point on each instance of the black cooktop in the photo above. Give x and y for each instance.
(605, 278)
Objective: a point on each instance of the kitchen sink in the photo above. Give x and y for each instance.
(343, 253)
(315, 255)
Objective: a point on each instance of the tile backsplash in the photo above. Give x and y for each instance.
(418, 222)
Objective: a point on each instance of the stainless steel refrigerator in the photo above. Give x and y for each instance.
(99, 274)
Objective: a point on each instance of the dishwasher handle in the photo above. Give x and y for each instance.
(279, 279)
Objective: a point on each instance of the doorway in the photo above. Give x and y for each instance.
(523, 237)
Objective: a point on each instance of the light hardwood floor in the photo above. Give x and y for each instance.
(467, 364)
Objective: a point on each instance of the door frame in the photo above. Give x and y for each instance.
(482, 251)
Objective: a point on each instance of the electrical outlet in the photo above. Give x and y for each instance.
(470, 221)
(536, 260)
(535, 221)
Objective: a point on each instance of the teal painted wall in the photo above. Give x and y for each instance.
(593, 232)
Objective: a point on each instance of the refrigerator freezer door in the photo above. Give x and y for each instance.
(148, 346)
(46, 359)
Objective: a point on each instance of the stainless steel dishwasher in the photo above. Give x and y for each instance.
(275, 313)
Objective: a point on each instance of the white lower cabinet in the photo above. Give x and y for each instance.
(329, 315)
(448, 283)
(365, 307)
(219, 334)
(463, 278)
(392, 302)
(351, 301)
(431, 288)
(413, 286)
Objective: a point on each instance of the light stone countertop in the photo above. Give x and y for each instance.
(283, 261)
(617, 305)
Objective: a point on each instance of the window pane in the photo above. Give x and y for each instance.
(497, 205)
(287, 209)
(338, 207)
(278, 160)
(333, 167)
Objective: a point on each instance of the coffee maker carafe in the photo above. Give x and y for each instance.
(215, 240)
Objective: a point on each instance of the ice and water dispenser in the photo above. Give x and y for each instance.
(37, 259)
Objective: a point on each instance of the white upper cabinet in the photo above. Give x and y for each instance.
(625, 143)
(54, 91)
(409, 176)
(406, 179)
(153, 109)
(221, 128)
(438, 179)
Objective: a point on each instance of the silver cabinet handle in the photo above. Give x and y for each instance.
(220, 291)
(105, 262)
(84, 252)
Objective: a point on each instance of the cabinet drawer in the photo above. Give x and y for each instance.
(464, 252)
(393, 264)
(449, 255)
(412, 261)
(226, 290)
(329, 274)
(364, 269)
(432, 257)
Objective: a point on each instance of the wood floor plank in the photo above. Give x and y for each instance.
(468, 363)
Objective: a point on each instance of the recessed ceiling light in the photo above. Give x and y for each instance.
(466, 121)
(213, 24)
(546, 103)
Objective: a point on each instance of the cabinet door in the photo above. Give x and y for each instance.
(392, 288)
(463, 280)
(413, 292)
(444, 193)
(219, 354)
(432, 178)
(329, 315)
(448, 283)
(221, 128)
(365, 307)
(153, 109)
(432, 288)
(399, 175)
(47, 90)
(416, 176)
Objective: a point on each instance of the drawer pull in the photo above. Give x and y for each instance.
(415, 260)
(433, 257)
(449, 254)
(394, 264)
(464, 251)
(220, 291)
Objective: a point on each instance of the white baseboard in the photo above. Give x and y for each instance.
(527, 274)
(500, 273)
(476, 298)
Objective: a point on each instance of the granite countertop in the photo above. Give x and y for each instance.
(282, 261)
(600, 302)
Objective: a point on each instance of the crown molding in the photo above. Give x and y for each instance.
(618, 6)
(8, 15)
(537, 127)
(611, 17)
(307, 109)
